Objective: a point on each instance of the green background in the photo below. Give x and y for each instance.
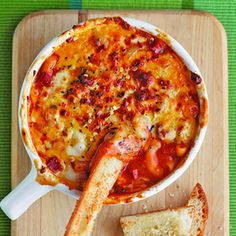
(11, 12)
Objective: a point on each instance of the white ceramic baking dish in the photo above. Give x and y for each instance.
(29, 190)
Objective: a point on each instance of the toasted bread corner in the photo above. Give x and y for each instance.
(199, 201)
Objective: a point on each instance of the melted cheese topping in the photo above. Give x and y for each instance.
(109, 73)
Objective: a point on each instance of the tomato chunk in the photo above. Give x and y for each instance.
(135, 173)
(44, 77)
(54, 164)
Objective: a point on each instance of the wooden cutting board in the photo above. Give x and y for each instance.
(205, 39)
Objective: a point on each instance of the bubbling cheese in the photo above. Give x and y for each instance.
(109, 74)
(77, 143)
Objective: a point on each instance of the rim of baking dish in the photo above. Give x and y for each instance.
(174, 175)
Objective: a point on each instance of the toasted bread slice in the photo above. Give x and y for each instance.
(118, 147)
(199, 201)
(176, 222)
(100, 182)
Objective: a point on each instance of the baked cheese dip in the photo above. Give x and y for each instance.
(106, 74)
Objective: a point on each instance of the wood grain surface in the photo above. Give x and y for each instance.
(205, 39)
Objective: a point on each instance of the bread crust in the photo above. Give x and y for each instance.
(96, 190)
(198, 199)
(197, 207)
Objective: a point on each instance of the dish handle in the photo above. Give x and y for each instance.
(23, 196)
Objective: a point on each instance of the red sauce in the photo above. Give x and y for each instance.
(144, 171)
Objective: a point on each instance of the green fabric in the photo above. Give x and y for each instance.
(11, 12)
(225, 11)
(132, 4)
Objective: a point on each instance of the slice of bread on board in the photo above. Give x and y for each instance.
(199, 201)
(189, 220)
(168, 222)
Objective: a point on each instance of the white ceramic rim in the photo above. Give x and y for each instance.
(48, 49)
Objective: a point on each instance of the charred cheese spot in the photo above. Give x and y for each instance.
(105, 75)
